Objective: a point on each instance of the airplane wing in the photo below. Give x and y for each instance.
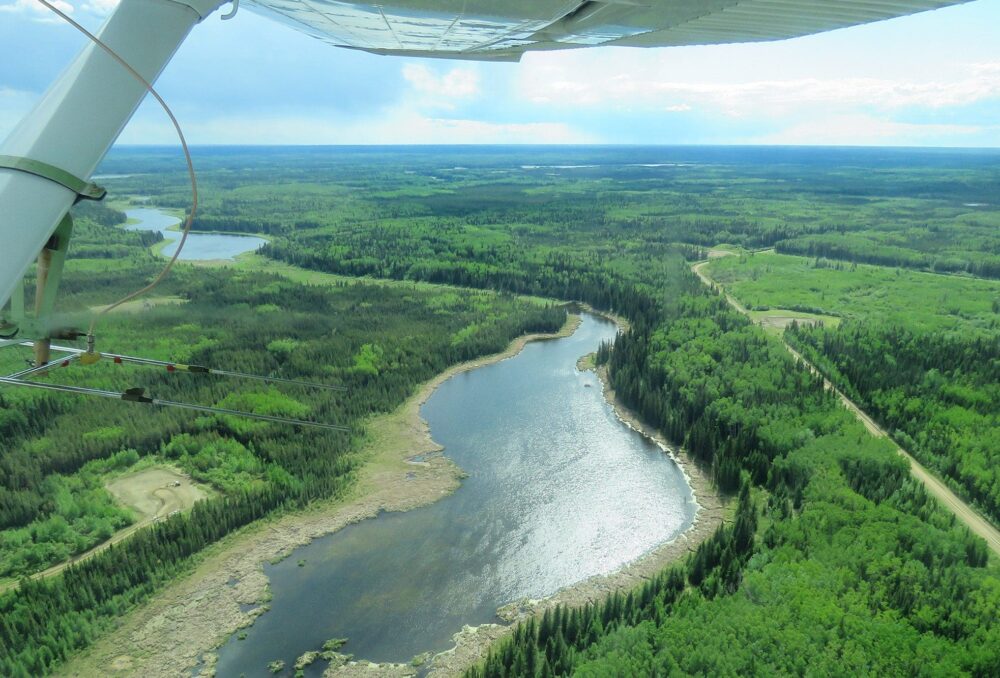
(503, 30)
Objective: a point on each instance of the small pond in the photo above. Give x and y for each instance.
(199, 246)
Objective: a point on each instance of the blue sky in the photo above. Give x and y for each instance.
(931, 79)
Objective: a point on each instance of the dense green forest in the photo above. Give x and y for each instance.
(938, 395)
(928, 210)
(836, 562)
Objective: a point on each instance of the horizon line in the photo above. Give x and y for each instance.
(872, 147)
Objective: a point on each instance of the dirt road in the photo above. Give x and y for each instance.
(965, 513)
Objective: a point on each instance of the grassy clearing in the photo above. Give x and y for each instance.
(252, 262)
(775, 320)
(144, 304)
(816, 288)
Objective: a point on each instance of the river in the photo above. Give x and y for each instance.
(558, 490)
(199, 246)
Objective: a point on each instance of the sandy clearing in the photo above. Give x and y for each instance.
(155, 492)
(782, 321)
(143, 304)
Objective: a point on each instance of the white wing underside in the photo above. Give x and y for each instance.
(505, 29)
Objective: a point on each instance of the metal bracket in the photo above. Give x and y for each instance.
(48, 275)
(50, 269)
(84, 190)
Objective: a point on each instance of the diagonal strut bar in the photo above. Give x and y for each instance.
(137, 396)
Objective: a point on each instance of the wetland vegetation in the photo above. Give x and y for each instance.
(836, 560)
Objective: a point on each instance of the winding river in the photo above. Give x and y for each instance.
(199, 246)
(558, 490)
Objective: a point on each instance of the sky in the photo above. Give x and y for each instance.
(931, 79)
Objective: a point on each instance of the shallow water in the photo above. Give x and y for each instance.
(199, 246)
(558, 490)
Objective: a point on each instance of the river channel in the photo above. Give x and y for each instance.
(558, 490)
(199, 246)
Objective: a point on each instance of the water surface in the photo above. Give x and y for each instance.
(199, 246)
(558, 490)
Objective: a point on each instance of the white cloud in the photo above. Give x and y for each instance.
(36, 9)
(402, 125)
(40, 12)
(559, 81)
(99, 6)
(458, 83)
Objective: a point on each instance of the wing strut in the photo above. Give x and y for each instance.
(74, 124)
(118, 359)
(138, 395)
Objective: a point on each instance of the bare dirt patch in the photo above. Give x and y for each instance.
(155, 492)
(782, 321)
(777, 320)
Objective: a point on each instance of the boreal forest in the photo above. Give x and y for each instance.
(383, 267)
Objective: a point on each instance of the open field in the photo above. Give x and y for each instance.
(925, 301)
(143, 304)
(777, 319)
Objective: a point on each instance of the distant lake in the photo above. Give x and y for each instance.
(559, 490)
(199, 246)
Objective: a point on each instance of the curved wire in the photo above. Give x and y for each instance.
(187, 156)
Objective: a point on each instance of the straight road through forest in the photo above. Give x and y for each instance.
(965, 513)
